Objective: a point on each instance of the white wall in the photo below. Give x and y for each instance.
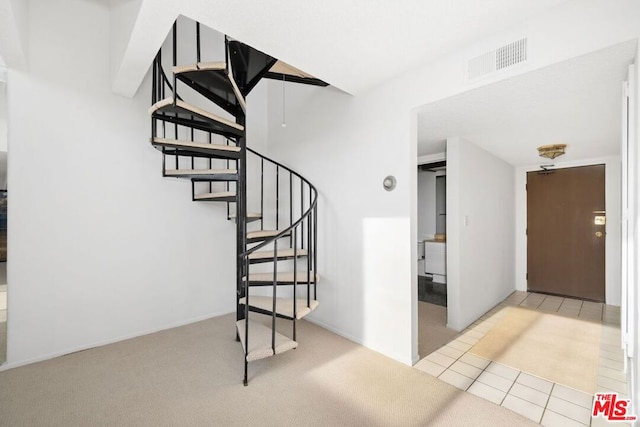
(102, 247)
(3, 134)
(13, 30)
(480, 232)
(634, 174)
(334, 140)
(347, 145)
(613, 235)
(3, 116)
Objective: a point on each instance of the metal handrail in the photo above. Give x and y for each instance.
(303, 216)
(160, 83)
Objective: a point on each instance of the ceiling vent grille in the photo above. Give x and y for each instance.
(498, 59)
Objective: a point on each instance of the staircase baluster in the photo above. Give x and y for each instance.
(192, 138)
(302, 212)
(246, 315)
(185, 126)
(275, 290)
(308, 260)
(197, 42)
(226, 55)
(261, 194)
(295, 280)
(277, 197)
(315, 248)
(292, 240)
(210, 183)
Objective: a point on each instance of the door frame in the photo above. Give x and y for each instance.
(613, 193)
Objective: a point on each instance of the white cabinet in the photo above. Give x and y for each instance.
(435, 260)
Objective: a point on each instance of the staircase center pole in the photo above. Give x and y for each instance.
(241, 218)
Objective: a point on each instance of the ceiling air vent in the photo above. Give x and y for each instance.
(498, 59)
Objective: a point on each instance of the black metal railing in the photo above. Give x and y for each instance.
(291, 211)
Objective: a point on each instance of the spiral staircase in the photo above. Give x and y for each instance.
(204, 140)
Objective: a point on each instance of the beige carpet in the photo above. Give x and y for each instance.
(560, 349)
(192, 376)
(432, 328)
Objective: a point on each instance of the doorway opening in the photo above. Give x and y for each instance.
(432, 262)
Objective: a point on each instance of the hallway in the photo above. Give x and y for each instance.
(540, 400)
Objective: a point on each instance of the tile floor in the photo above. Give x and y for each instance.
(540, 400)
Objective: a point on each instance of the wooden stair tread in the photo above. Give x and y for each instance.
(188, 172)
(249, 215)
(282, 253)
(281, 67)
(284, 306)
(204, 66)
(262, 234)
(281, 277)
(178, 143)
(218, 67)
(259, 346)
(167, 103)
(211, 196)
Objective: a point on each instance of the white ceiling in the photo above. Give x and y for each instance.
(577, 102)
(353, 45)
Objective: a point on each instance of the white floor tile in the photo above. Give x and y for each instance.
(447, 350)
(524, 408)
(459, 345)
(568, 302)
(474, 360)
(567, 312)
(614, 374)
(440, 359)
(483, 329)
(590, 316)
(468, 339)
(574, 396)
(529, 394)
(609, 384)
(429, 367)
(456, 379)
(612, 364)
(535, 382)
(466, 370)
(570, 410)
(602, 422)
(474, 334)
(495, 381)
(503, 371)
(486, 392)
(588, 305)
(552, 419)
(530, 304)
(617, 356)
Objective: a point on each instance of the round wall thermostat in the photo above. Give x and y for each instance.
(389, 183)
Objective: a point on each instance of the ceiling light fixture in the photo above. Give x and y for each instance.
(552, 151)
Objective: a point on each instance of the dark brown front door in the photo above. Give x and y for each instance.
(566, 232)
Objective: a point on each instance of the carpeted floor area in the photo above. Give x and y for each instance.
(432, 328)
(191, 376)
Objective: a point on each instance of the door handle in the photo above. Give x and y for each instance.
(599, 233)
